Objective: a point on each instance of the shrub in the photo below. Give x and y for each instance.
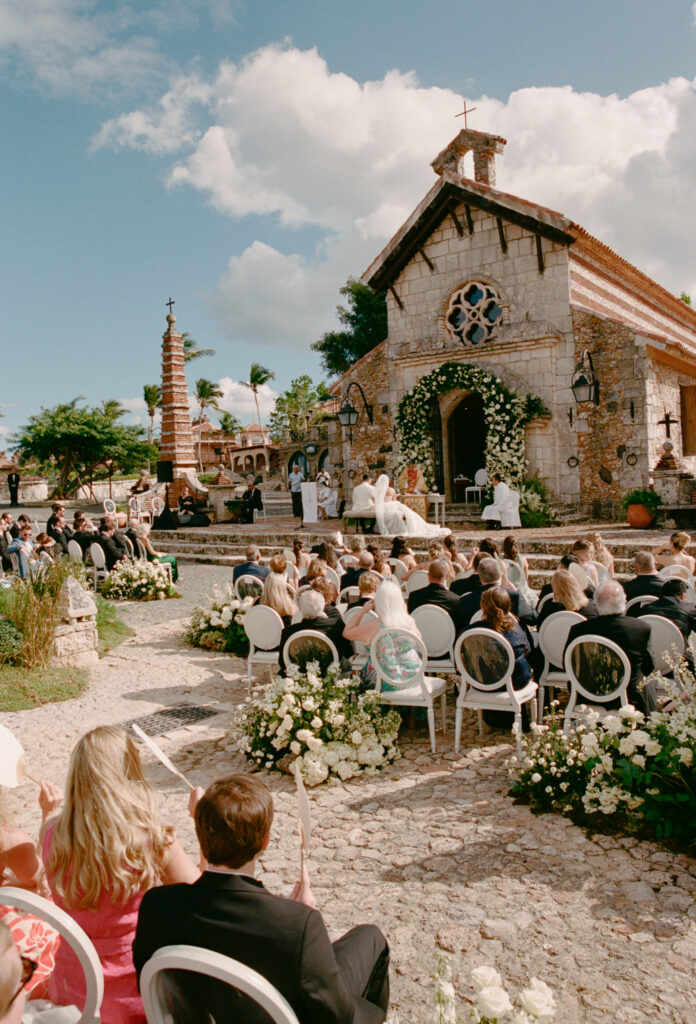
(219, 624)
(642, 496)
(33, 607)
(11, 643)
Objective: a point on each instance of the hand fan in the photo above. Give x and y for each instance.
(12, 768)
(159, 754)
(304, 814)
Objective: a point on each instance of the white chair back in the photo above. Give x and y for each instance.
(544, 599)
(553, 636)
(263, 626)
(681, 571)
(484, 659)
(643, 599)
(129, 546)
(349, 595)
(404, 674)
(349, 561)
(581, 577)
(333, 576)
(248, 585)
(436, 628)
(157, 506)
(398, 567)
(480, 477)
(73, 934)
(142, 550)
(14, 558)
(477, 616)
(96, 553)
(666, 641)
(325, 648)
(158, 1008)
(605, 673)
(417, 580)
(74, 551)
(109, 507)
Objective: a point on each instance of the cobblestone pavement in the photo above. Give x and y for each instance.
(432, 849)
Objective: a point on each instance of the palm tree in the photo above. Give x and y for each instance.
(206, 394)
(258, 375)
(191, 349)
(112, 409)
(229, 427)
(152, 393)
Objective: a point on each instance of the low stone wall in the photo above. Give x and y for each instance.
(30, 492)
(76, 644)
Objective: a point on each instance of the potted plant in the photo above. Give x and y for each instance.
(641, 505)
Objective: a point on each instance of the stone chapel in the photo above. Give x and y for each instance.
(497, 283)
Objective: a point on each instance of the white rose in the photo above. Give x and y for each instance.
(536, 777)
(295, 747)
(639, 760)
(485, 977)
(316, 723)
(286, 723)
(652, 747)
(303, 735)
(493, 1001)
(308, 704)
(314, 743)
(538, 1000)
(339, 720)
(356, 738)
(686, 755)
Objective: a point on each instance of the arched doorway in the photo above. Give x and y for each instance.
(323, 459)
(300, 459)
(466, 442)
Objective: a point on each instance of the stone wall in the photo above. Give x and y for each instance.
(30, 491)
(663, 395)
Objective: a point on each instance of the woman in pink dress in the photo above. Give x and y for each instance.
(103, 850)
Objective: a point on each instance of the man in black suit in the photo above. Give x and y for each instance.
(489, 574)
(437, 593)
(672, 605)
(646, 582)
(58, 529)
(351, 576)
(251, 500)
(466, 584)
(316, 614)
(252, 566)
(113, 547)
(13, 487)
(227, 910)
(632, 636)
(18, 525)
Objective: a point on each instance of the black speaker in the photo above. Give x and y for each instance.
(165, 472)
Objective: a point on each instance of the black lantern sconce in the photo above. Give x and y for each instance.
(348, 415)
(585, 386)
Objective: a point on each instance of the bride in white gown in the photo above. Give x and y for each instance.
(392, 517)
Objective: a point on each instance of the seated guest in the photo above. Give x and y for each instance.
(45, 546)
(103, 849)
(673, 553)
(141, 485)
(511, 552)
(315, 615)
(565, 562)
(327, 553)
(335, 539)
(6, 539)
(59, 531)
(316, 568)
(114, 549)
(16, 972)
(602, 554)
(81, 524)
(568, 596)
(251, 502)
(367, 585)
(229, 911)
(189, 510)
(143, 535)
(437, 593)
(438, 552)
(489, 574)
(672, 605)
(252, 566)
(380, 564)
(465, 584)
(130, 531)
(20, 521)
(329, 592)
(584, 552)
(391, 613)
(302, 558)
(495, 605)
(402, 551)
(22, 546)
(352, 575)
(276, 594)
(456, 556)
(646, 582)
(632, 636)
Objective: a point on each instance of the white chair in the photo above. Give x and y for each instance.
(553, 636)
(510, 512)
(480, 481)
(544, 599)
(157, 506)
(417, 580)
(309, 645)
(138, 511)
(681, 571)
(263, 626)
(643, 599)
(437, 629)
(485, 662)
(349, 561)
(109, 507)
(477, 616)
(142, 556)
(581, 577)
(70, 932)
(603, 575)
(99, 570)
(158, 996)
(414, 689)
(666, 641)
(362, 654)
(333, 577)
(598, 671)
(515, 574)
(75, 552)
(349, 595)
(248, 585)
(14, 559)
(399, 568)
(129, 545)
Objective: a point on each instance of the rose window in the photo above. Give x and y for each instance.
(473, 313)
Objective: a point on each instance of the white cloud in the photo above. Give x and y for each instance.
(280, 134)
(136, 413)
(4, 431)
(239, 400)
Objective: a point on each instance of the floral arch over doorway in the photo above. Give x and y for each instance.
(505, 414)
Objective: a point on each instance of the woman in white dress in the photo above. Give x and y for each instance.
(392, 517)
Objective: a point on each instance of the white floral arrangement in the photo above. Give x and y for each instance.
(218, 625)
(320, 721)
(138, 581)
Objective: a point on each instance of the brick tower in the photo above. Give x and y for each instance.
(176, 442)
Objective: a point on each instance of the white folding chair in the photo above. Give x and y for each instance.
(157, 506)
(485, 662)
(643, 599)
(138, 511)
(70, 932)
(309, 645)
(581, 577)
(248, 585)
(409, 686)
(553, 636)
(75, 552)
(349, 595)
(681, 571)
(598, 671)
(99, 570)
(142, 550)
(480, 481)
(159, 997)
(129, 546)
(437, 629)
(142, 556)
(666, 641)
(263, 627)
(399, 568)
(349, 561)
(417, 580)
(14, 558)
(109, 507)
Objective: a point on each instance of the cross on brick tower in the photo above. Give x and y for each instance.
(465, 111)
(170, 303)
(667, 423)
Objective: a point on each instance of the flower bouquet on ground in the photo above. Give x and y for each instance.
(138, 581)
(219, 624)
(322, 721)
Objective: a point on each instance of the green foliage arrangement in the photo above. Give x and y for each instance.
(535, 510)
(218, 625)
(642, 496)
(33, 606)
(364, 319)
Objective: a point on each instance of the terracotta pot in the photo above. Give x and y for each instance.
(639, 517)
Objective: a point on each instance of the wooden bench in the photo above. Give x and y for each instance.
(359, 522)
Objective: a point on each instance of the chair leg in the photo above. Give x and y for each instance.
(443, 706)
(540, 704)
(457, 728)
(479, 715)
(431, 727)
(518, 732)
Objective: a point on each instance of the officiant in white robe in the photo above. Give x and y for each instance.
(505, 508)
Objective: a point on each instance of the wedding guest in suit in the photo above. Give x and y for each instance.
(13, 480)
(252, 566)
(465, 584)
(230, 912)
(437, 593)
(59, 531)
(489, 574)
(251, 502)
(352, 575)
(113, 547)
(316, 615)
(672, 605)
(16, 526)
(646, 582)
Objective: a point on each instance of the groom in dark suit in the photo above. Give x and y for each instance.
(228, 911)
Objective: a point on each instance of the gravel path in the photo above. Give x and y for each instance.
(433, 850)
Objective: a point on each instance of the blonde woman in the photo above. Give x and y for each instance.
(674, 553)
(276, 595)
(103, 850)
(602, 554)
(142, 532)
(568, 596)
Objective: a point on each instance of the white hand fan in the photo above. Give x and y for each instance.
(12, 768)
(159, 753)
(304, 814)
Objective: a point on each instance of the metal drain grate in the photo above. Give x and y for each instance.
(171, 718)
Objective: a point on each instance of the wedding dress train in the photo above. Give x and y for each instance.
(393, 517)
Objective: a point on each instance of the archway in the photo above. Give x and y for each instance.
(323, 459)
(300, 459)
(466, 442)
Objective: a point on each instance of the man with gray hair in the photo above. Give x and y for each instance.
(352, 576)
(489, 574)
(632, 636)
(646, 582)
(252, 566)
(316, 615)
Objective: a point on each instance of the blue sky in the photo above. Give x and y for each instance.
(245, 158)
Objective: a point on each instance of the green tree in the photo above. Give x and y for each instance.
(152, 394)
(298, 409)
(258, 376)
(685, 297)
(79, 445)
(206, 393)
(364, 318)
(192, 350)
(229, 424)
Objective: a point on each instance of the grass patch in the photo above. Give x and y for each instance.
(22, 688)
(112, 630)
